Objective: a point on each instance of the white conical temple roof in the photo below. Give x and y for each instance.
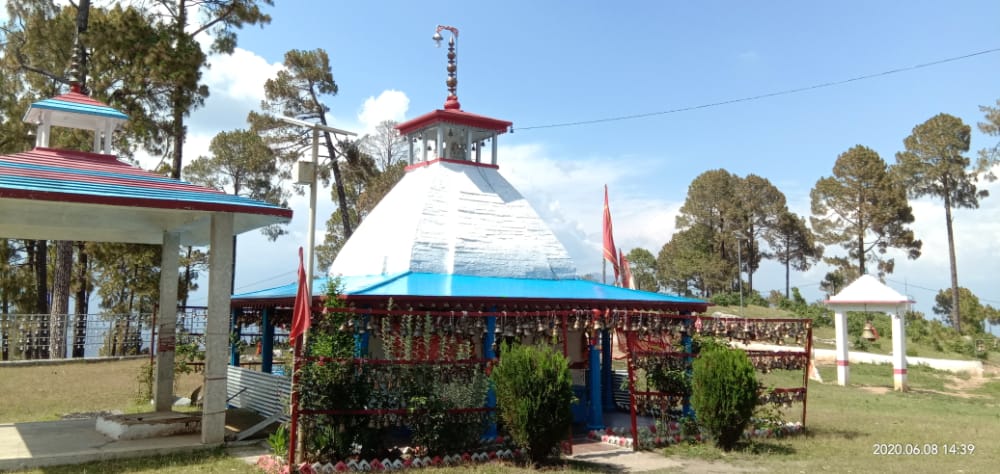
(451, 217)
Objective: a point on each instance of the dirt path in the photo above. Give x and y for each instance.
(622, 460)
(961, 386)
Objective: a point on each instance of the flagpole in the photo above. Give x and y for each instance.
(604, 271)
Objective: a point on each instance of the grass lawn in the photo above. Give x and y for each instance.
(48, 392)
(845, 424)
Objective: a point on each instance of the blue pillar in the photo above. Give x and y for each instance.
(607, 381)
(266, 341)
(595, 415)
(361, 338)
(490, 354)
(234, 342)
(688, 341)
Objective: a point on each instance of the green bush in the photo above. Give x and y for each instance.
(442, 432)
(724, 393)
(534, 391)
(733, 299)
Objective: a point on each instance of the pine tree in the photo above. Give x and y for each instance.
(934, 164)
(863, 208)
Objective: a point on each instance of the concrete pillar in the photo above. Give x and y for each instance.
(213, 418)
(607, 379)
(423, 144)
(898, 352)
(166, 323)
(409, 141)
(493, 141)
(595, 415)
(840, 330)
(439, 147)
(266, 341)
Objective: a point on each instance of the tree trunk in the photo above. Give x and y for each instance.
(38, 341)
(59, 314)
(955, 314)
(345, 216)
(186, 284)
(788, 264)
(861, 252)
(82, 302)
(750, 269)
(232, 278)
(177, 101)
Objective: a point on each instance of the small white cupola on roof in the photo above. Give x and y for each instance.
(75, 109)
(451, 133)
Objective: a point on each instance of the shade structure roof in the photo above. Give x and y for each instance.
(430, 286)
(48, 193)
(74, 110)
(454, 217)
(867, 293)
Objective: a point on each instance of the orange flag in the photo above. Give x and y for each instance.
(609, 240)
(301, 314)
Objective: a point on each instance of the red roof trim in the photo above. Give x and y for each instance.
(142, 203)
(457, 117)
(447, 160)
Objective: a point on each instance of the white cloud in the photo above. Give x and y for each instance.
(240, 76)
(568, 195)
(389, 105)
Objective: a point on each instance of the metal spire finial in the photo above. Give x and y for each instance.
(77, 67)
(452, 82)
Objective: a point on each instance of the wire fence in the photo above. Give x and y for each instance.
(47, 336)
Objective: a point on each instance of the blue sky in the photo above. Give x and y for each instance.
(539, 63)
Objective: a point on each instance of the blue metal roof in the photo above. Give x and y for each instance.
(434, 285)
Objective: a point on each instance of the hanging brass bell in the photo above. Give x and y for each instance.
(868, 333)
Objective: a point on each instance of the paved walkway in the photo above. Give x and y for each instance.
(51, 443)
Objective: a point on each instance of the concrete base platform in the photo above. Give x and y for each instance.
(148, 425)
(51, 443)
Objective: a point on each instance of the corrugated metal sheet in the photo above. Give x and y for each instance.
(433, 285)
(74, 176)
(457, 218)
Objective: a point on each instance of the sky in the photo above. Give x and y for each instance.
(547, 63)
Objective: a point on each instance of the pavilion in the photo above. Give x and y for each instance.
(868, 294)
(57, 194)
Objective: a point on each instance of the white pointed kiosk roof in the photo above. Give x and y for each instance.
(868, 294)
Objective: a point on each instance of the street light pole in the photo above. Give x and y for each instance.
(739, 265)
(306, 174)
(310, 172)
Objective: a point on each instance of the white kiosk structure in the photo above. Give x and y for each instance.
(869, 294)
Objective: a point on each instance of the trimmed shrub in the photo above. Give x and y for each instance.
(724, 393)
(534, 391)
